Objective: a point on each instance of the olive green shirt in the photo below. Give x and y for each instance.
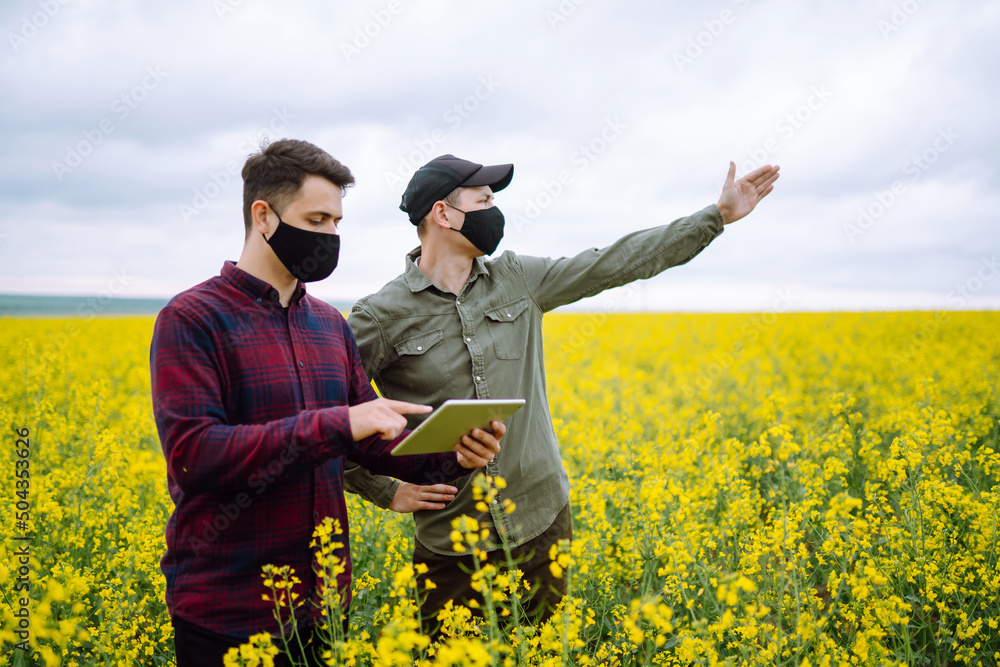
(424, 344)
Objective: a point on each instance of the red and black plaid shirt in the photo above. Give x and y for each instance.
(251, 402)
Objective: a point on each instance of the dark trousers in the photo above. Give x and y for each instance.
(197, 647)
(455, 583)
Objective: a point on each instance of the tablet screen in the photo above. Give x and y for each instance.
(456, 417)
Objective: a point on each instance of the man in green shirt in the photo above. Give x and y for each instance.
(458, 325)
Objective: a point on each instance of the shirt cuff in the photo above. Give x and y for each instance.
(382, 494)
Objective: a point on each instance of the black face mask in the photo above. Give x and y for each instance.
(483, 228)
(308, 255)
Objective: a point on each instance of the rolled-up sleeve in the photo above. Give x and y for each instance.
(376, 489)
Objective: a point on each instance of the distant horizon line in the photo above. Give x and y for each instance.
(14, 304)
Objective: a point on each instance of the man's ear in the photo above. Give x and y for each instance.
(258, 214)
(439, 215)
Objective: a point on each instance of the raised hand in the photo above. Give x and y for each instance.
(740, 197)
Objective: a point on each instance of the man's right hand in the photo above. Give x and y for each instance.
(382, 416)
(740, 197)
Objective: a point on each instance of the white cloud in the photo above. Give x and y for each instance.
(825, 90)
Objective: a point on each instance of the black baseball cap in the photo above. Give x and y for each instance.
(433, 181)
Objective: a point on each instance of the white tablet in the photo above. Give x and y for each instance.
(456, 417)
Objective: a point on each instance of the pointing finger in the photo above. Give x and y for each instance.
(404, 408)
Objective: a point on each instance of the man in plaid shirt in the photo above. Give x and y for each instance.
(259, 396)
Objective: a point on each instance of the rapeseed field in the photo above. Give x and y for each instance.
(752, 489)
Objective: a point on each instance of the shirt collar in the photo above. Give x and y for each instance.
(417, 280)
(254, 287)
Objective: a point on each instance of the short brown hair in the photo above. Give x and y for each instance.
(276, 173)
(452, 198)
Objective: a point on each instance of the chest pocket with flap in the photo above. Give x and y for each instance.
(508, 326)
(423, 372)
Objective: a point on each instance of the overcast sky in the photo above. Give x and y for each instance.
(124, 126)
